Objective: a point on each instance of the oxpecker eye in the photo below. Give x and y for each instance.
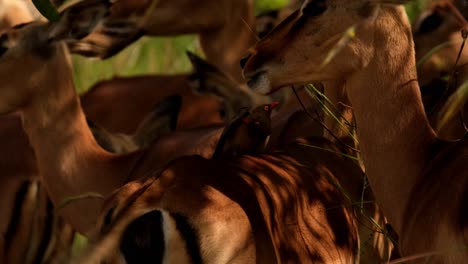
(274, 105)
(244, 60)
(314, 8)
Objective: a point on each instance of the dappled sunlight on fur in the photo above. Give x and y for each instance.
(306, 215)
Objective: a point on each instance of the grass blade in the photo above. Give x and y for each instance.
(47, 9)
(329, 111)
(327, 150)
(72, 199)
(453, 105)
(434, 50)
(348, 35)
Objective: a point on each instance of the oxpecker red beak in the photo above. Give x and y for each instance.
(274, 105)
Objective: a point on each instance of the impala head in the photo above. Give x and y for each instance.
(439, 25)
(265, 22)
(29, 53)
(207, 78)
(296, 50)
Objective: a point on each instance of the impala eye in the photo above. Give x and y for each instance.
(108, 217)
(430, 23)
(314, 8)
(244, 60)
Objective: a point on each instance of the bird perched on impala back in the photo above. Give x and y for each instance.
(248, 133)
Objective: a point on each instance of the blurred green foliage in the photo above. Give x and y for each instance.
(415, 7)
(267, 5)
(47, 9)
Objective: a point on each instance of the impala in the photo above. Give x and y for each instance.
(224, 27)
(335, 129)
(438, 26)
(419, 180)
(274, 208)
(30, 229)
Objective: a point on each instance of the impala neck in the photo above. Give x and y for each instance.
(70, 161)
(393, 131)
(226, 46)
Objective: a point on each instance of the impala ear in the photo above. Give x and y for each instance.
(202, 73)
(428, 23)
(101, 135)
(78, 20)
(160, 121)
(207, 78)
(199, 64)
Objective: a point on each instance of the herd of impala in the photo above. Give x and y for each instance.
(349, 172)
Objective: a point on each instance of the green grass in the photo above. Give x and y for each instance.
(415, 7)
(267, 5)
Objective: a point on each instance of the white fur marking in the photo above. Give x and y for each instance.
(175, 247)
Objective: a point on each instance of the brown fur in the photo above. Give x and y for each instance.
(296, 199)
(400, 150)
(74, 173)
(38, 234)
(13, 12)
(336, 95)
(120, 104)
